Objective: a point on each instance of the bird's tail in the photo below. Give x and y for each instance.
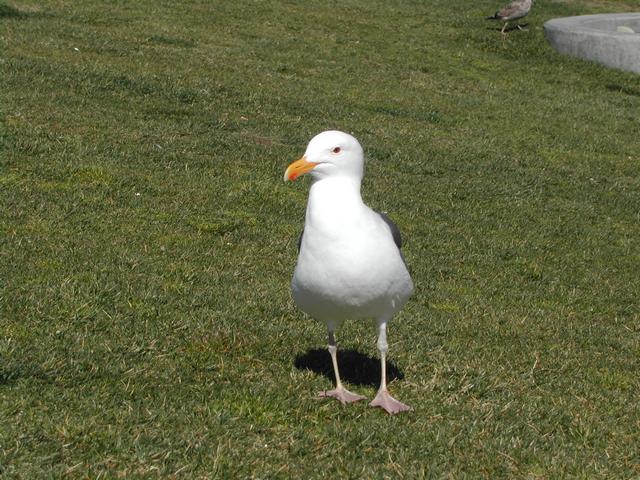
(494, 17)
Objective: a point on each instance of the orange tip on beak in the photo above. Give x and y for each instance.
(297, 168)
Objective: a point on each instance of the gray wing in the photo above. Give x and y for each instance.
(513, 11)
(395, 231)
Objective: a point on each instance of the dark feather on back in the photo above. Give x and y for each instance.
(395, 231)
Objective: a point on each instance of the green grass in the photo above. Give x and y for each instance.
(147, 241)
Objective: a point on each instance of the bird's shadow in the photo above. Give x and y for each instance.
(9, 12)
(12, 372)
(510, 28)
(355, 368)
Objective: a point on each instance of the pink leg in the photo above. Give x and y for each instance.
(383, 398)
(339, 393)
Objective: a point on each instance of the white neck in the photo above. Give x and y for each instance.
(333, 199)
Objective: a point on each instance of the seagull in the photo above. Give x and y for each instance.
(513, 11)
(349, 260)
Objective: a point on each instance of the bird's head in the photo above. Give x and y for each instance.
(329, 153)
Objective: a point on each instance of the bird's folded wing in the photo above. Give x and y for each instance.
(511, 9)
(395, 231)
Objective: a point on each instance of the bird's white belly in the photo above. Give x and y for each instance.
(335, 281)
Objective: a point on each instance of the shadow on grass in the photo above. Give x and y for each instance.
(510, 28)
(14, 372)
(355, 368)
(10, 12)
(634, 92)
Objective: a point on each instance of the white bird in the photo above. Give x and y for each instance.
(349, 262)
(513, 11)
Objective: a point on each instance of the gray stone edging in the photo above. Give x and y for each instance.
(598, 38)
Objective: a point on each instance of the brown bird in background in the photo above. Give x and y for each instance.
(513, 11)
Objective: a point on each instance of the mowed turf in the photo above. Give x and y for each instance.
(147, 242)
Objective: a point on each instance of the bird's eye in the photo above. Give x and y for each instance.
(336, 150)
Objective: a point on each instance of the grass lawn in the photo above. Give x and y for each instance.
(147, 242)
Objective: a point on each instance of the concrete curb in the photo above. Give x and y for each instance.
(597, 38)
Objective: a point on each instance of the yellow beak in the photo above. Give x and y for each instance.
(297, 168)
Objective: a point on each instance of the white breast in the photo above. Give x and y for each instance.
(349, 266)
